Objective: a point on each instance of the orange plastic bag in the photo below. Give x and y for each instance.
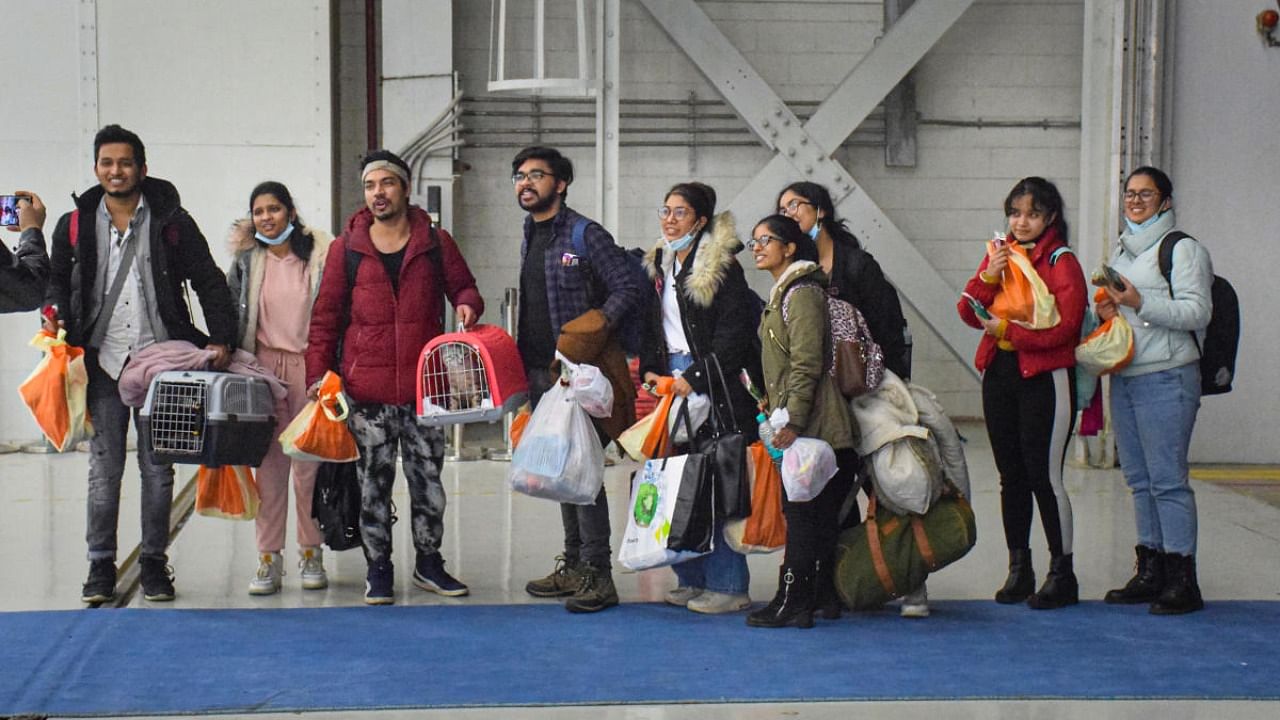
(765, 529)
(56, 392)
(1024, 298)
(227, 492)
(517, 425)
(319, 432)
(649, 437)
(1109, 348)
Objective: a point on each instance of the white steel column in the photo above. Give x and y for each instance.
(1101, 83)
(88, 117)
(803, 152)
(608, 32)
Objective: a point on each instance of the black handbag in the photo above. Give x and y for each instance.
(727, 448)
(693, 521)
(335, 505)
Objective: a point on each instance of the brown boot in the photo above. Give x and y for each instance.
(563, 580)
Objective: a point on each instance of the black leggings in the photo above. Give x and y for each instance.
(1029, 421)
(814, 526)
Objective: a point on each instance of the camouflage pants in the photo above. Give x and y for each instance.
(378, 430)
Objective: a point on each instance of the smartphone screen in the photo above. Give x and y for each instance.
(8, 210)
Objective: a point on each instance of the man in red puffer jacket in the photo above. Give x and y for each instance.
(371, 334)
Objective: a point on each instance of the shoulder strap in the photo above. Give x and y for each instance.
(73, 232)
(1053, 258)
(578, 239)
(1166, 254)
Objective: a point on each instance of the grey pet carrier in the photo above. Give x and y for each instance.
(208, 418)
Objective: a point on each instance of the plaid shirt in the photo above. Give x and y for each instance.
(578, 284)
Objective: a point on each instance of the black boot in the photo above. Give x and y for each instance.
(1060, 588)
(1021, 581)
(826, 602)
(792, 605)
(1147, 580)
(1181, 593)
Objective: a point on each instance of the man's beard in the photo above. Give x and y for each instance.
(541, 204)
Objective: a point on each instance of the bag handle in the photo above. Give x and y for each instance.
(681, 414)
(713, 368)
(877, 552)
(328, 402)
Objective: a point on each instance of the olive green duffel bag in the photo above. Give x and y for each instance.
(890, 555)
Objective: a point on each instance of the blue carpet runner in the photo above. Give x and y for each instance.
(134, 662)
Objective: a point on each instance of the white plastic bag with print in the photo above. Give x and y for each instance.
(559, 456)
(807, 466)
(591, 388)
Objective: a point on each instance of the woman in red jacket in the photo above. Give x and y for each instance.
(1028, 388)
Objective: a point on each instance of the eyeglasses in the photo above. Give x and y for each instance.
(680, 213)
(534, 175)
(790, 208)
(762, 241)
(1143, 195)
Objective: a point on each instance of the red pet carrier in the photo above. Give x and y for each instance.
(208, 418)
(470, 376)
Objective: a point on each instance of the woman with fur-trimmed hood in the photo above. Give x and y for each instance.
(274, 280)
(704, 307)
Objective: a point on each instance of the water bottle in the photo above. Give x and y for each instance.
(766, 437)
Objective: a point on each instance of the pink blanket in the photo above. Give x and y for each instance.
(152, 360)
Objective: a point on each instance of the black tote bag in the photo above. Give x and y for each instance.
(727, 448)
(335, 505)
(693, 521)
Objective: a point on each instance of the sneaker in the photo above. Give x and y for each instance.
(101, 585)
(268, 578)
(916, 604)
(430, 575)
(312, 566)
(681, 596)
(379, 584)
(563, 580)
(595, 592)
(157, 580)
(717, 603)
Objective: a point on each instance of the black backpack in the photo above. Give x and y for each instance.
(631, 327)
(1222, 336)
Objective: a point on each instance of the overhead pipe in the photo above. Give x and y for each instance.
(371, 71)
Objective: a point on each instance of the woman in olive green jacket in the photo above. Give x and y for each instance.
(795, 344)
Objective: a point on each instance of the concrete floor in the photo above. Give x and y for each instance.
(495, 541)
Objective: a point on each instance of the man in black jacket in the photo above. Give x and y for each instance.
(119, 264)
(25, 270)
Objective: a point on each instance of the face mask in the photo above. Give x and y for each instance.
(679, 244)
(1135, 228)
(276, 240)
(813, 231)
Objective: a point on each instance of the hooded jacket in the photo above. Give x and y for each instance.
(857, 279)
(387, 330)
(179, 254)
(250, 267)
(718, 312)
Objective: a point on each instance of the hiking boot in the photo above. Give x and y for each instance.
(268, 578)
(379, 584)
(1021, 581)
(311, 564)
(681, 596)
(430, 575)
(101, 585)
(717, 603)
(1147, 580)
(595, 591)
(1181, 593)
(792, 605)
(916, 604)
(1060, 587)
(157, 580)
(563, 580)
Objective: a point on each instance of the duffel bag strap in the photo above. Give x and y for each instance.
(922, 544)
(877, 552)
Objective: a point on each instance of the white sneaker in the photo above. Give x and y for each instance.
(311, 561)
(716, 603)
(681, 596)
(268, 578)
(916, 604)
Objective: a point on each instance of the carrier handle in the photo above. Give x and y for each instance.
(327, 401)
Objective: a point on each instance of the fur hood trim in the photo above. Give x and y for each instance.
(711, 262)
(241, 237)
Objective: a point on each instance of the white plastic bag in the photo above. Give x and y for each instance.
(591, 388)
(699, 411)
(807, 465)
(654, 491)
(559, 456)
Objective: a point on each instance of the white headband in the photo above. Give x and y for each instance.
(387, 165)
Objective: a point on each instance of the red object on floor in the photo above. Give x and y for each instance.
(645, 403)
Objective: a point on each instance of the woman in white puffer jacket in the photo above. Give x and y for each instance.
(1154, 400)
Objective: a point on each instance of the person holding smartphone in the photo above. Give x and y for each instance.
(24, 272)
(1028, 388)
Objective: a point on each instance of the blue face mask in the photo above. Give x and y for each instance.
(813, 231)
(276, 240)
(1135, 228)
(679, 244)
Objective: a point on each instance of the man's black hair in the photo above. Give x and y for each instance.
(561, 166)
(115, 134)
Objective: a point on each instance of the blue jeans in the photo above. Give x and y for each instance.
(723, 570)
(1153, 416)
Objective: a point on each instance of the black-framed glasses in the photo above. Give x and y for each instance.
(1143, 195)
(679, 213)
(534, 175)
(790, 208)
(762, 241)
